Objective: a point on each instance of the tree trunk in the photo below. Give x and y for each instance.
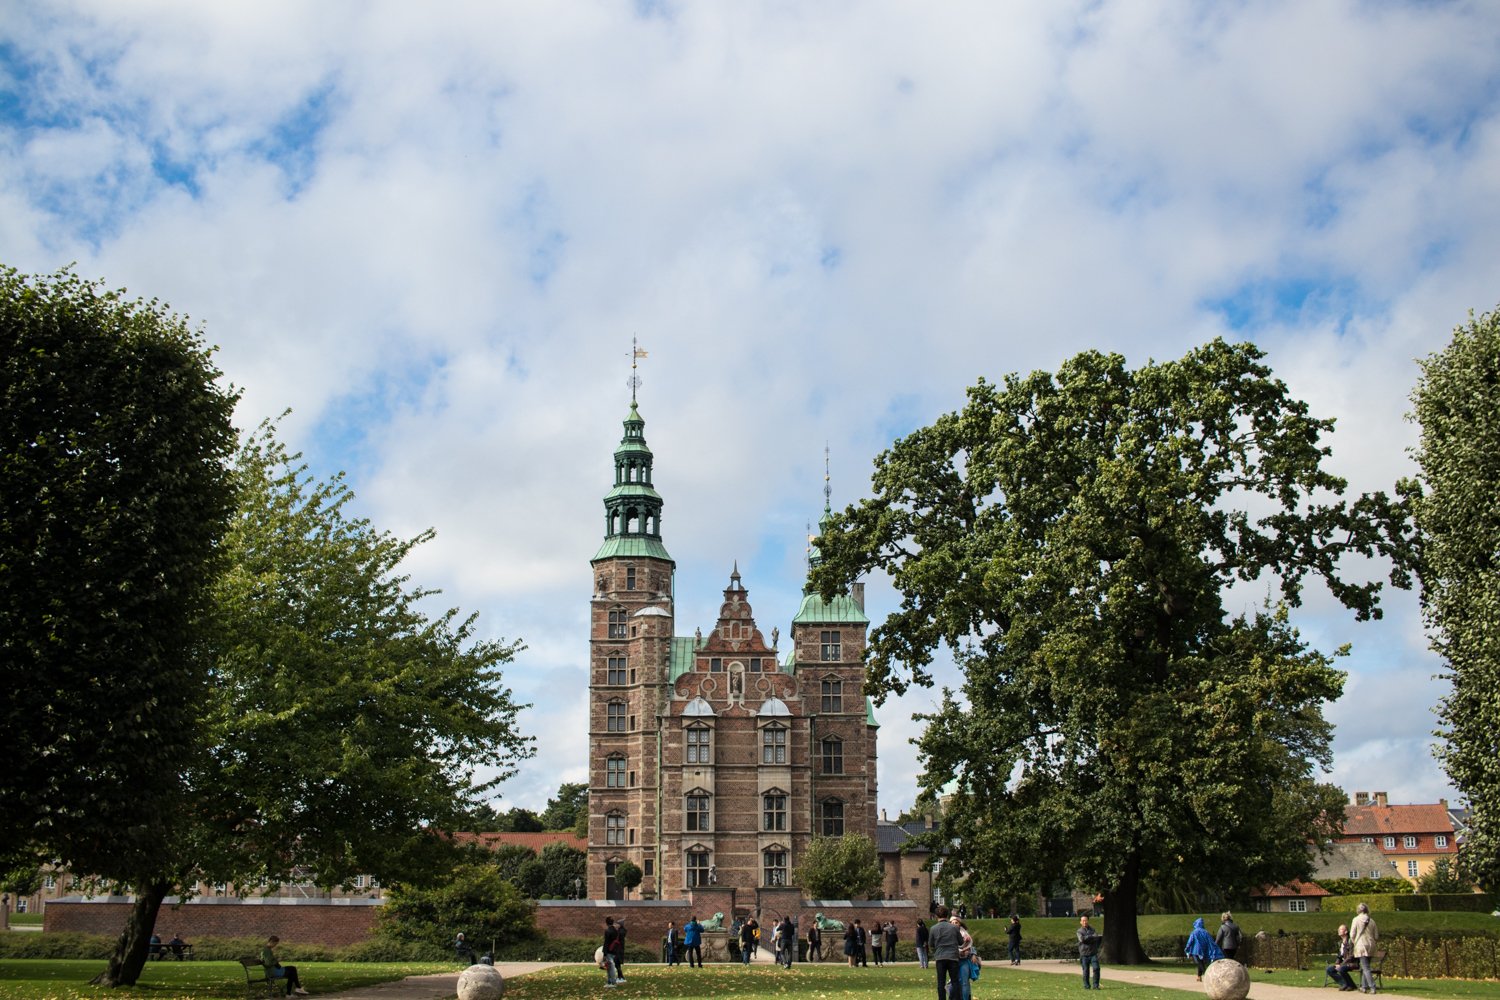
(129, 959)
(1122, 940)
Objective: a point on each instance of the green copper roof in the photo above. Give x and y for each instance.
(683, 648)
(789, 665)
(631, 545)
(840, 611)
(632, 490)
(870, 714)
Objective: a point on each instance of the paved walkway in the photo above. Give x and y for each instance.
(444, 986)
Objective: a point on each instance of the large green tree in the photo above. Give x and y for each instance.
(343, 725)
(846, 867)
(1457, 506)
(1069, 538)
(563, 811)
(114, 493)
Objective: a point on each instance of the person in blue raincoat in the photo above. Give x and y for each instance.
(1202, 948)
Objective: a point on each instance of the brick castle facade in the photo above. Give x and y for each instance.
(714, 759)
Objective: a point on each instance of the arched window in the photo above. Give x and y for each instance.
(833, 755)
(831, 818)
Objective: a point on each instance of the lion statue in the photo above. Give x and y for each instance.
(716, 923)
(827, 923)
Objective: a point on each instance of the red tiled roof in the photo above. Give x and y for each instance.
(535, 841)
(1375, 820)
(1296, 888)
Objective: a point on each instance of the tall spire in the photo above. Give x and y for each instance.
(632, 509)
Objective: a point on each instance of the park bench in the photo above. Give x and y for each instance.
(264, 985)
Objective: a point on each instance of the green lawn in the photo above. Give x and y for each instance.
(1313, 977)
(51, 979)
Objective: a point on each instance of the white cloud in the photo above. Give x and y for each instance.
(432, 232)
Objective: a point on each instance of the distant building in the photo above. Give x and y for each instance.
(1351, 860)
(903, 863)
(1295, 897)
(1412, 838)
(714, 758)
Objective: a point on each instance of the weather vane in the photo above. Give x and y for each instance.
(634, 381)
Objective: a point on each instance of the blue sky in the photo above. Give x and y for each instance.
(432, 231)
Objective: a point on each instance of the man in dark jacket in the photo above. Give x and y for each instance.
(1013, 932)
(1088, 951)
(922, 943)
(944, 941)
(890, 941)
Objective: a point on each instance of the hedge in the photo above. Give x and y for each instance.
(1452, 902)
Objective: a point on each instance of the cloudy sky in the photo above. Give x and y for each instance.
(433, 229)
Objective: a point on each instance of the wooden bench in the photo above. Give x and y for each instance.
(264, 985)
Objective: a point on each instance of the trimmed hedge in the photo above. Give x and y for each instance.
(1450, 902)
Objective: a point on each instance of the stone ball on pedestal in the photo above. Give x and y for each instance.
(480, 982)
(1226, 979)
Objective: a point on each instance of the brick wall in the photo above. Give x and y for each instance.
(303, 921)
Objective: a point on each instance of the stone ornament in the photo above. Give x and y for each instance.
(1226, 979)
(480, 982)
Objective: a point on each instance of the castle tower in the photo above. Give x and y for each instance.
(630, 640)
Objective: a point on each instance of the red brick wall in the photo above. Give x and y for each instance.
(300, 921)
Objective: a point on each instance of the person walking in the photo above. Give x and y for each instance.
(1088, 951)
(613, 947)
(877, 942)
(922, 944)
(1228, 937)
(814, 943)
(890, 941)
(944, 941)
(1363, 934)
(1202, 948)
(692, 941)
(275, 970)
(1343, 962)
(1013, 939)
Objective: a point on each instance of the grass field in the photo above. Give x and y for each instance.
(52, 979)
(1391, 924)
(26, 979)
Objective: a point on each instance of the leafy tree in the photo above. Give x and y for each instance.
(1443, 877)
(1069, 539)
(518, 820)
(563, 865)
(343, 725)
(1457, 507)
(508, 859)
(474, 900)
(846, 867)
(628, 875)
(562, 812)
(114, 437)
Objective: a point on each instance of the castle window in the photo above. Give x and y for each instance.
(697, 868)
(629, 577)
(773, 745)
(616, 674)
(697, 816)
(773, 863)
(698, 745)
(773, 808)
(615, 717)
(614, 772)
(755, 665)
(832, 647)
(614, 829)
(617, 622)
(833, 755)
(716, 665)
(833, 695)
(832, 818)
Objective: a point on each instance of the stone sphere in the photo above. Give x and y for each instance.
(480, 982)
(1226, 979)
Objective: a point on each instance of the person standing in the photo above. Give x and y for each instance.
(1228, 937)
(861, 944)
(747, 941)
(692, 941)
(877, 942)
(275, 970)
(968, 960)
(849, 943)
(814, 943)
(922, 944)
(890, 941)
(1013, 939)
(1088, 951)
(1363, 934)
(1343, 962)
(672, 942)
(620, 951)
(944, 941)
(1202, 948)
(612, 975)
(788, 934)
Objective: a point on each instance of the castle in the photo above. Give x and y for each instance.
(714, 759)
